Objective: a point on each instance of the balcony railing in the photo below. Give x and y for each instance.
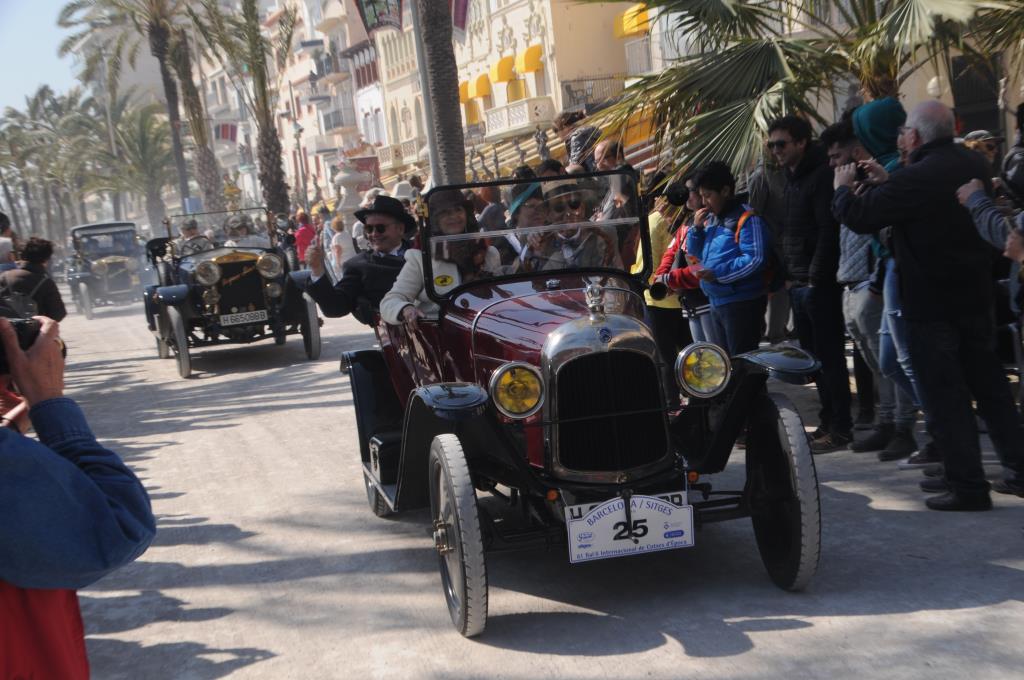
(590, 94)
(339, 118)
(390, 156)
(638, 56)
(330, 68)
(519, 116)
(411, 149)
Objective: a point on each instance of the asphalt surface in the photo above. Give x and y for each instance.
(269, 564)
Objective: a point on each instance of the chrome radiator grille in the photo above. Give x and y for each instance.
(240, 286)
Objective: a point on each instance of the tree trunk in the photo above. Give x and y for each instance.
(158, 46)
(27, 193)
(155, 211)
(208, 171)
(443, 94)
(12, 205)
(47, 194)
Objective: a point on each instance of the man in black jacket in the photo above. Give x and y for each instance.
(947, 300)
(31, 281)
(810, 248)
(368, 276)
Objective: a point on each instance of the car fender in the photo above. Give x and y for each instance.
(432, 410)
(789, 364)
(172, 295)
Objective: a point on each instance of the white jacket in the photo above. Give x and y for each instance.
(409, 289)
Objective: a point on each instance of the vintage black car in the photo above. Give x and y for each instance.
(528, 408)
(238, 291)
(106, 267)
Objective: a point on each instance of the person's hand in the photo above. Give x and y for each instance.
(873, 171)
(700, 217)
(707, 275)
(315, 258)
(968, 190)
(1014, 246)
(845, 176)
(39, 371)
(411, 315)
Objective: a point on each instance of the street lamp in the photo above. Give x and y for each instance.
(300, 166)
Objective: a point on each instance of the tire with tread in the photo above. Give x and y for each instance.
(84, 301)
(180, 338)
(163, 349)
(453, 503)
(783, 493)
(310, 327)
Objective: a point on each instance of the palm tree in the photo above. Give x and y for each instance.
(207, 169)
(128, 22)
(752, 61)
(443, 93)
(242, 49)
(145, 155)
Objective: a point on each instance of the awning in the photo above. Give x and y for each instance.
(632, 22)
(464, 92)
(480, 87)
(502, 70)
(529, 60)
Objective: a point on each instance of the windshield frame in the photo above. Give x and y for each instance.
(640, 278)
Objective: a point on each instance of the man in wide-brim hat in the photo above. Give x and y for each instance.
(369, 275)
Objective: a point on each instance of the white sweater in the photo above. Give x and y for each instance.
(409, 287)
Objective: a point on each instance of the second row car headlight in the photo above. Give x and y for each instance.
(99, 268)
(517, 390)
(269, 266)
(207, 273)
(702, 369)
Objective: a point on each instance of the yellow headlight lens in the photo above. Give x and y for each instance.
(269, 266)
(702, 370)
(517, 390)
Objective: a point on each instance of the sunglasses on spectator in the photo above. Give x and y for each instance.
(777, 144)
(379, 228)
(568, 204)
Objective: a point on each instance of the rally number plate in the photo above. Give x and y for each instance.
(243, 317)
(599, 531)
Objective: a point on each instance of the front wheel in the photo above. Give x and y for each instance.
(782, 489)
(163, 350)
(84, 301)
(310, 327)
(457, 538)
(180, 339)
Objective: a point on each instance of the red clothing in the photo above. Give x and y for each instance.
(41, 635)
(304, 235)
(682, 277)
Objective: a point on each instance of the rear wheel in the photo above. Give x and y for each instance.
(310, 327)
(84, 301)
(457, 537)
(180, 339)
(782, 488)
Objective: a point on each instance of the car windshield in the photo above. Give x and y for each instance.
(543, 226)
(246, 227)
(108, 243)
(222, 251)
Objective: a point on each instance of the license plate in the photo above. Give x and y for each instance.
(600, 531)
(243, 317)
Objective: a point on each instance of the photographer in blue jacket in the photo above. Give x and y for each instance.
(71, 511)
(733, 245)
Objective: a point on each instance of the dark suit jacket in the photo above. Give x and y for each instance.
(25, 278)
(365, 280)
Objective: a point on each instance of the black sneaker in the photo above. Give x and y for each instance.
(832, 441)
(934, 485)
(818, 433)
(955, 503)
(934, 470)
(900, 446)
(876, 441)
(1010, 488)
(928, 455)
(865, 420)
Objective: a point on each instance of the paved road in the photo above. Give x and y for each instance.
(268, 564)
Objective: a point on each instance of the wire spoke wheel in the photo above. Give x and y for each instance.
(457, 535)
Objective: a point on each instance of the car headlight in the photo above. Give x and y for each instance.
(517, 390)
(273, 289)
(99, 268)
(702, 369)
(207, 273)
(269, 266)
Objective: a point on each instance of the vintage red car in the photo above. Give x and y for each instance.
(533, 379)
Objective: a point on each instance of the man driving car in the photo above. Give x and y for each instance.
(191, 241)
(369, 275)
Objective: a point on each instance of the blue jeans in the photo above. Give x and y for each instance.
(704, 329)
(893, 355)
(740, 323)
(818, 316)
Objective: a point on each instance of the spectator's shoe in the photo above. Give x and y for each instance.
(928, 455)
(934, 485)
(1010, 488)
(876, 441)
(900, 446)
(832, 441)
(865, 420)
(952, 502)
(934, 470)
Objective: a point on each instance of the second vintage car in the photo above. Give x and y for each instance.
(519, 395)
(106, 267)
(238, 291)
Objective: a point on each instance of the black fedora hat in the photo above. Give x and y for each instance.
(392, 207)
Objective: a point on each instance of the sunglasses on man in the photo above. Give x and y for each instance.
(568, 204)
(379, 228)
(777, 144)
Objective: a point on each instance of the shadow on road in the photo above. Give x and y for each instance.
(169, 661)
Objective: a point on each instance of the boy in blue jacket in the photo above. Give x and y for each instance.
(733, 246)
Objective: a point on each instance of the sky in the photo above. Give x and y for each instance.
(29, 37)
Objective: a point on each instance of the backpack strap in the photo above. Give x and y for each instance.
(743, 220)
(38, 285)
